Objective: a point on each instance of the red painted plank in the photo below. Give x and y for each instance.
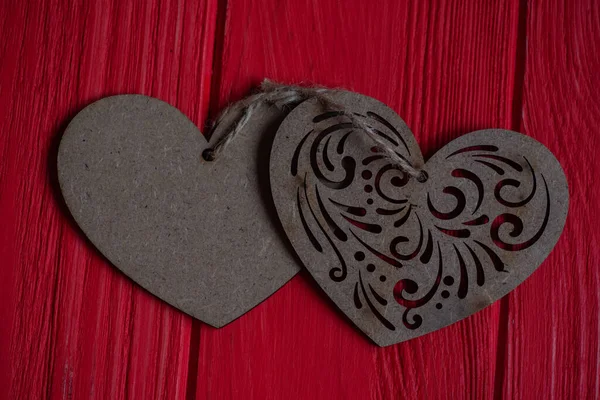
(448, 68)
(553, 349)
(72, 326)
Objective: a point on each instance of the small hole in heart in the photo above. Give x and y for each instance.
(423, 176)
(208, 155)
(448, 281)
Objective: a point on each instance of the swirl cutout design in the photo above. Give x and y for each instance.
(408, 256)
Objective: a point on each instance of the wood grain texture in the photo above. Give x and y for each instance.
(447, 68)
(73, 327)
(552, 347)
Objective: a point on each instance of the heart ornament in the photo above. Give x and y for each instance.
(192, 232)
(401, 257)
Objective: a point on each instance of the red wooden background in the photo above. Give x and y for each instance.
(72, 326)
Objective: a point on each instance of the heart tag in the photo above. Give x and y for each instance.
(200, 235)
(400, 257)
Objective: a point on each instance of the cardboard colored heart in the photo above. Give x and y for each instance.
(399, 257)
(203, 236)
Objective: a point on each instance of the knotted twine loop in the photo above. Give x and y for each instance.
(285, 97)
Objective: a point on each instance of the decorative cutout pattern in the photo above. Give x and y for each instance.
(407, 256)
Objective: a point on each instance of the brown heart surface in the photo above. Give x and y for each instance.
(400, 257)
(200, 235)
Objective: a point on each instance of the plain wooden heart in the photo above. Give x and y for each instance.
(399, 257)
(200, 235)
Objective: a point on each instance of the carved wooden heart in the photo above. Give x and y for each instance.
(200, 235)
(399, 257)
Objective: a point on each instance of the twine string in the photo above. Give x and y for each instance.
(284, 98)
